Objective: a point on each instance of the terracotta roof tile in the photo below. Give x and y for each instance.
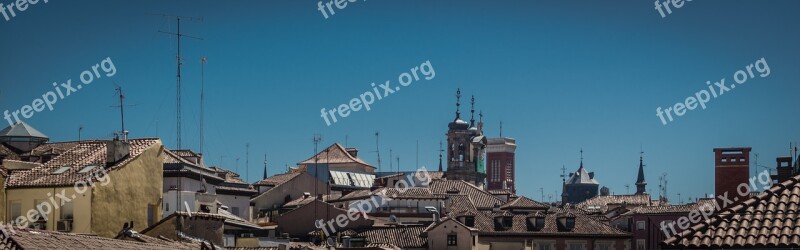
(481, 198)
(277, 179)
(400, 236)
(601, 203)
(38, 239)
(83, 154)
(335, 154)
(769, 220)
(523, 202)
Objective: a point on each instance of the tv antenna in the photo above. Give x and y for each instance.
(378, 149)
(178, 35)
(121, 107)
(203, 61)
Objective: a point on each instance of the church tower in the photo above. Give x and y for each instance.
(466, 148)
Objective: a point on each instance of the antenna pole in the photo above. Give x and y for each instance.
(178, 36)
(203, 61)
(378, 149)
(79, 132)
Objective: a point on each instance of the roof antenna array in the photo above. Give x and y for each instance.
(178, 35)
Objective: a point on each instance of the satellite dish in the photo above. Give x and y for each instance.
(393, 218)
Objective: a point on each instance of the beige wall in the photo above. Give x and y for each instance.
(294, 188)
(437, 238)
(126, 197)
(2, 198)
(81, 205)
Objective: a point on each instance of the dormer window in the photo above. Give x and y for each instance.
(566, 222)
(468, 220)
(503, 222)
(536, 222)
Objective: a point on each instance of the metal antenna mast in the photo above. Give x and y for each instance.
(203, 61)
(179, 35)
(378, 149)
(79, 132)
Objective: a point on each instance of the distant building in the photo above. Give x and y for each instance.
(580, 186)
(501, 170)
(466, 148)
(645, 222)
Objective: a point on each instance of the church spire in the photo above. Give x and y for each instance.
(458, 104)
(640, 183)
(440, 155)
(265, 167)
(472, 112)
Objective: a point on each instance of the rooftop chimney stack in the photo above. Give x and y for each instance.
(731, 169)
(117, 150)
(784, 168)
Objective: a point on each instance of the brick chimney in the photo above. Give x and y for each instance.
(352, 151)
(116, 151)
(731, 169)
(784, 168)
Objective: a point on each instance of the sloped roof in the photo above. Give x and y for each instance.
(668, 209)
(769, 220)
(21, 129)
(276, 179)
(600, 203)
(400, 236)
(523, 202)
(481, 198)
(24, 238)
(85, 153)
(584, 225)
(581, 176)
(335, 154)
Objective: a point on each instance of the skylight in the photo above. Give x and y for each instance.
(87, 169)
(61, 170)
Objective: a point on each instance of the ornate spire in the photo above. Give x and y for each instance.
(458, 104)
(581, 157)
(265, 167)
(440, 155)
(472, 112)
(640, 183)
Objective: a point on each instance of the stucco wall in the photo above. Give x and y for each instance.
(126, 197)
(81, 205)
(294, 188)
(437, 238)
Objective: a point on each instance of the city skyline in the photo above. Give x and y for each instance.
(557, 87)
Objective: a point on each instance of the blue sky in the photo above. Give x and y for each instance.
(561, 76)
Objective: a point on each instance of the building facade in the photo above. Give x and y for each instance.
(500, 158)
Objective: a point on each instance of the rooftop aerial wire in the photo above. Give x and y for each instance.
(178, 36)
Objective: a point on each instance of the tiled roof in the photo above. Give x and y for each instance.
(52, 148)
(24, 238)
(523, 202)
(500, 192)
(248, 189)
(85, 153)
(600, 203)
(409, 193)
(335, 154)
(581, 176)
(481, 198)
(400, 236)
(276, 179)
(460, 204)
(667, 209)
(584, 224)
(769, 220)
(8, 153)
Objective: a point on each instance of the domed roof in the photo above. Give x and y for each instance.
(459, 124)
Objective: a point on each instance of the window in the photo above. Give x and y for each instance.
(575, 246)
(545, 246)
(166, 206)
(16, 211)
(640, 244)
(469, 221)
(640, 225)
(151, 214)
(61, 170)
(235, 211)
(452, 240)
(603, 246)
(65, 211)
(86, 169)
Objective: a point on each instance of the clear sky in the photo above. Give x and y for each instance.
(561, 76)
